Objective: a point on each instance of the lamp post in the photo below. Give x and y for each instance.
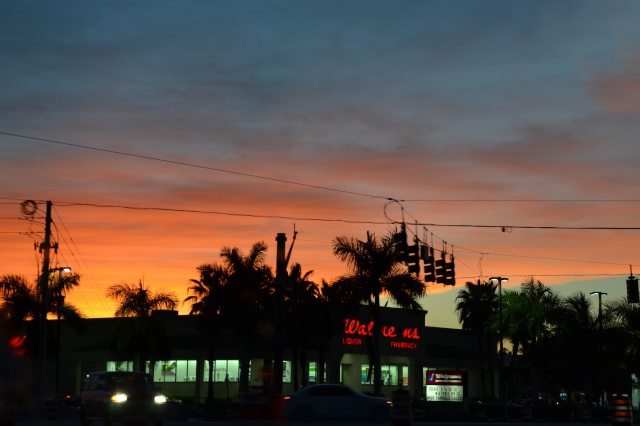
(600, 294)
(501, 337)
(59, 303)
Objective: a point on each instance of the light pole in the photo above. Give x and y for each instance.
(59, 303)
(600, 294)
(501, 336)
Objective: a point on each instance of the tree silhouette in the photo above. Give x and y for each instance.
(301, 304)
(20, 301)
(476, 304)
(248, 297)
(377, 269)
(206, 296)
(141, 337)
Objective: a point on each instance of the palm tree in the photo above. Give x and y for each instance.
(335, 303)
(20, 301)
(141, 336)
(542, 304)
(247, 298)
(206, 299)
(476, 304)
(573, 355)
(515, 310)
(621, 343)
(377, 269)
(301, 303)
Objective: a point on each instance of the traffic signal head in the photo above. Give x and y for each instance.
(426, 254)
(440, 270)
(632, 290)
(413, 259)
(400, 239)
(450, 272)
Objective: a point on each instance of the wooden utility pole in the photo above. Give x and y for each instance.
(43, 284)
(282, 263)
(281, 277)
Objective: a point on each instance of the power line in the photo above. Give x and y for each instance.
(197, 166)
(325, 188)
(518, 200)
(505, 228)
(213, 212)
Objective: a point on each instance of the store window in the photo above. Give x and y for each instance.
(389, 375)
(313, 372)
(222, 368)
(119, 365)
(286, 372)
(405, 375)
(175, 371)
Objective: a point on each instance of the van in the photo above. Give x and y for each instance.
(121, 396)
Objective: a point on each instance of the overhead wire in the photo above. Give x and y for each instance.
(81, 261)
(389, 199)
(198, 166)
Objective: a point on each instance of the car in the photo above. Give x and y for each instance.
(335, 402)
(121, 396)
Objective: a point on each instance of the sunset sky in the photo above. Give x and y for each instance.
(163, 131)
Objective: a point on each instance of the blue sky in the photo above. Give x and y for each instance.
(473, 113)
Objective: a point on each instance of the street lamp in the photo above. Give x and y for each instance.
(501, 335)
(600, 294)
(59, 303)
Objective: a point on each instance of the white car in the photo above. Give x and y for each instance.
(335, 402)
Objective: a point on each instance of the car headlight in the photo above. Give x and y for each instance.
(159, 399)
(119, 398)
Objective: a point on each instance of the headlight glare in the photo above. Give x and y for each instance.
(119, 397)
(160, 399)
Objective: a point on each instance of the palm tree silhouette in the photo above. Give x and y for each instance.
(20, 301)
(248, 297)
(301, 300)
(476, 304)
(141, 337)
(377, 269)
(207, 300)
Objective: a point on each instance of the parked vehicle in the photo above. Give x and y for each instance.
(121, 396)
(335, 402)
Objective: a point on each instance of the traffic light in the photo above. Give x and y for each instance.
(400, 239)
(426, 254)
(440, 270)
(450, 272)
(413, 259)
(632, 290)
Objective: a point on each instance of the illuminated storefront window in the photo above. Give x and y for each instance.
(313, 372)
(389, 375)
(222, 368)
(119, 365)
(175, 371)
(405, 375)
(286, 372)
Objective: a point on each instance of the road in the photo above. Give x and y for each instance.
(292, 423)
(68, 417)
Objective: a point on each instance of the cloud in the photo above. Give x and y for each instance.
(619, 91)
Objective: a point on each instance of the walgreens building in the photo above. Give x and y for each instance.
(439, 363)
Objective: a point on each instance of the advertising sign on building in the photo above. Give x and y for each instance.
(395, 337)
(445, 385)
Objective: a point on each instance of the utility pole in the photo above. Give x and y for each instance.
(45, 247)
(281, 277)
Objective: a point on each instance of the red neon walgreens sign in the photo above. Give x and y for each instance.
(354, 326)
